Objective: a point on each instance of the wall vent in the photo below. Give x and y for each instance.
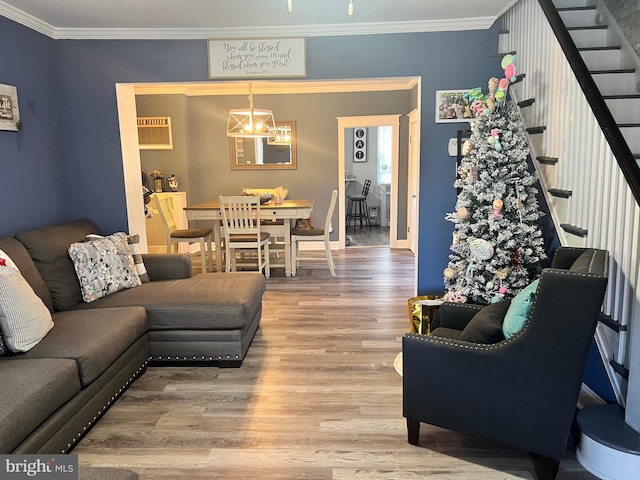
(154, 133)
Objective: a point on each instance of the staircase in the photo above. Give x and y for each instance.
(613, 68)
(581, 105)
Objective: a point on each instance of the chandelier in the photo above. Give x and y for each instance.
(251, 122)
(349, 10)
(281, 135)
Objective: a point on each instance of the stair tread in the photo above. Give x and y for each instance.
(628, 125)
(589, 27)
(539, 129)
(559, 192)
(547, 160)
(620, 369)
(611, 323)
(608, 47)
(526, 103)
(613, 70)
(605, 424)
(621, 96)
(499, 55)
(569, 9)
(519, 78)
(503, 32)
(580, 232)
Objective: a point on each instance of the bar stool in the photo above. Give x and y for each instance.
(357, 207)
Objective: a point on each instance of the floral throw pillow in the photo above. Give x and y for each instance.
(136, 252)
(104, 266)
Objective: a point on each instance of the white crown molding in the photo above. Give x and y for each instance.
(27, 20)
(474, 23)
(478, 23)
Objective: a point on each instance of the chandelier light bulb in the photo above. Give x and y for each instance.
(350, 7)
(290, 5)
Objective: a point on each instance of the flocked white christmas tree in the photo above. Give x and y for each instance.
(497, 243)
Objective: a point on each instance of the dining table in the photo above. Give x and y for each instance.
(286, 211)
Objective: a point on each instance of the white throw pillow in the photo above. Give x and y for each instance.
(24, 318)
(8, 261)
(104, 266)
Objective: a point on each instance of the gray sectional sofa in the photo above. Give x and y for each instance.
(56, 391)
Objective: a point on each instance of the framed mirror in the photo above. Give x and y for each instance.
(275, 152)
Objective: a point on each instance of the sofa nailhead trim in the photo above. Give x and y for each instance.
(228, 357)
(103, 409)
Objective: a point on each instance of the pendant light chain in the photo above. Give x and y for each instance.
(290, 6)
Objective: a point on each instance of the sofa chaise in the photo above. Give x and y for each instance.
(53, 393)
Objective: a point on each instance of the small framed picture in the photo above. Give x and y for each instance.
(453, 106)
(360, 145)
(9, 114)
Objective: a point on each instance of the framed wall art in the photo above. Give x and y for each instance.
(257, 57)
(9, 114)
(360, 145)
(452, 106)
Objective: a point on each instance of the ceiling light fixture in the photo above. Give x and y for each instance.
(250, 123)
(280, 136)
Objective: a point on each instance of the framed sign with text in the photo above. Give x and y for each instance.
(9, 114)
(257, 57)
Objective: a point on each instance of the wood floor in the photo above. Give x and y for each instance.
(317, 396)
(363, 237)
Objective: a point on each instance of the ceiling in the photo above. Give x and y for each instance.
(197, 19)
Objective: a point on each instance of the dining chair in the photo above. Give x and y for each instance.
(176, 235)
(357, 208)
(278, 245)
(241, 225)
(314, 234)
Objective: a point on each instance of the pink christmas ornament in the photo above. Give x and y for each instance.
(510, 72)
(477, 107)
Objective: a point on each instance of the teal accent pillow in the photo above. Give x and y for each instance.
(519, 310)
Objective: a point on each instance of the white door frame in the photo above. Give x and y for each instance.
(413, 190)
(126, 100)
(369, 121)
(413, 182)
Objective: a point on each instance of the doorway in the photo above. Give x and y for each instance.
(384, 195)
(368, 160)
(126, 94)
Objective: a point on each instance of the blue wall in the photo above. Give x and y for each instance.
(34, 188)
(79, 77)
